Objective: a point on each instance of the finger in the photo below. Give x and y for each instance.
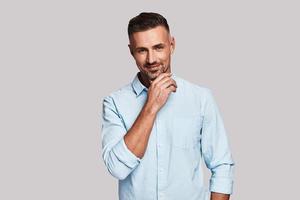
(163, 80)
(161, 76)
(170, 89)
(168, 83)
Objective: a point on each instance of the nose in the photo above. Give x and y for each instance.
(151, 57)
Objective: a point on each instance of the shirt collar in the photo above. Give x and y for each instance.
(138, 87)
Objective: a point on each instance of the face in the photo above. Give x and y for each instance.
(152, 51)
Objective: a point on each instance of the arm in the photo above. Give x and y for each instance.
(122, 152)
(137, 137)
(219, 196)
(216, 151)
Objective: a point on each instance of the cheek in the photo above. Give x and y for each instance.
(139, 60)
(164, 56)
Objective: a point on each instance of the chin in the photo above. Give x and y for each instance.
(152, 77)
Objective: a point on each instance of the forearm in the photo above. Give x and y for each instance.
(136, 139)
(219, 196)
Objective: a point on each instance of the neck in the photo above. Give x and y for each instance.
(144, 80)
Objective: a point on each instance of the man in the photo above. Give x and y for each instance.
(157, 129)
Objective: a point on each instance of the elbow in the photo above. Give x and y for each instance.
(116, 168)
(117, 174)
(119, 161)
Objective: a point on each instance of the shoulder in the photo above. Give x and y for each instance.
(193, 88)
(194, 95)
(123, 92)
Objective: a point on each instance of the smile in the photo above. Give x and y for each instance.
(153, 69)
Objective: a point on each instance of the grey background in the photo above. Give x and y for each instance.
(59, 58)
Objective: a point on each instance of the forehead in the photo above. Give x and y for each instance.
(150, 37)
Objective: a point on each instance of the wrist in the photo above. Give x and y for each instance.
(150, 109)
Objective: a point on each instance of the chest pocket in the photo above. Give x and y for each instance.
(186, 131)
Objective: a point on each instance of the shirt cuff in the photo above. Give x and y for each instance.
(125, 155)
(221, 185)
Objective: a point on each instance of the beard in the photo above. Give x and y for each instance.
(152, 75)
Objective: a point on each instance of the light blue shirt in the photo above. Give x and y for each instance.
(188, 128)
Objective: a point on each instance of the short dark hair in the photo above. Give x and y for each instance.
(145, 21)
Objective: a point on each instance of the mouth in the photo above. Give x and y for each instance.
(153, 68)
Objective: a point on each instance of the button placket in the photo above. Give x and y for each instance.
(160, 160)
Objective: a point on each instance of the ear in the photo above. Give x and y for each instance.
(172, 42)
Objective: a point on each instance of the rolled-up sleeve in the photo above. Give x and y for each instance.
(119, 160)
(215, 148)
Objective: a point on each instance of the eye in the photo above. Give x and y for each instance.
(159, 48)
(141, 50)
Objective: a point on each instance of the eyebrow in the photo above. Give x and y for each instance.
(157, 45)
